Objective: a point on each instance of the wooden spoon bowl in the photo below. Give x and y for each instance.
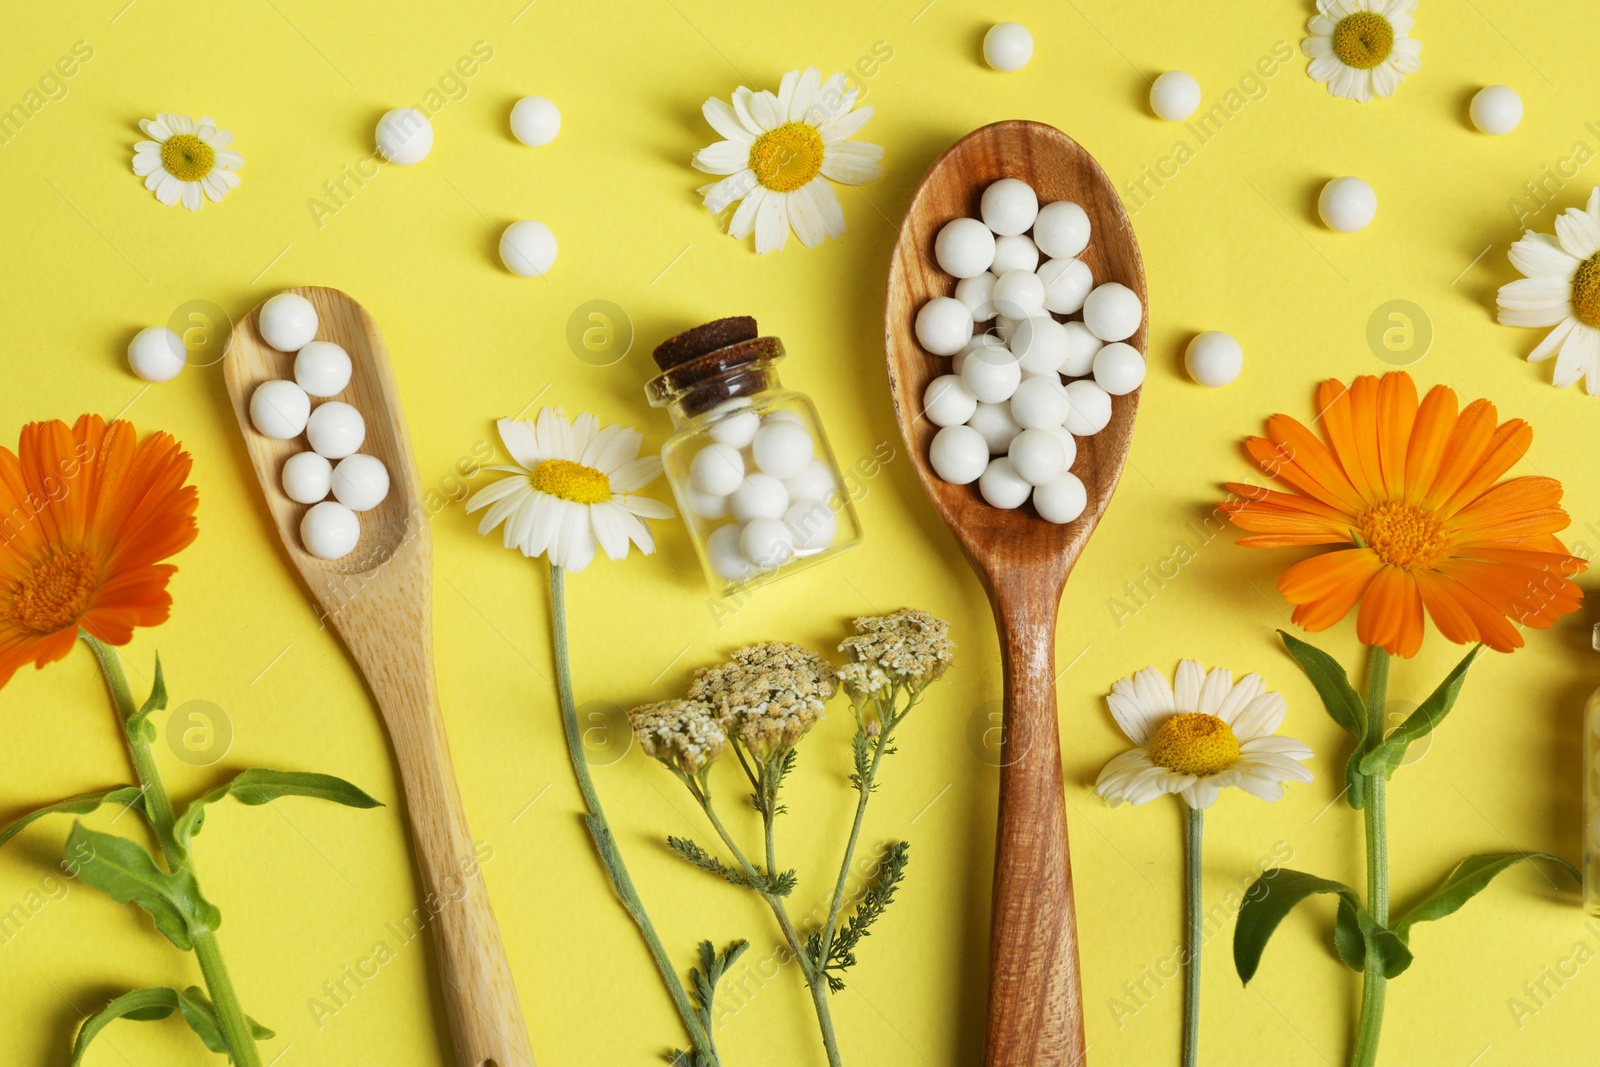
(1035, 1003)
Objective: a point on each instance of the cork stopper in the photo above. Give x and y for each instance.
(702, 340)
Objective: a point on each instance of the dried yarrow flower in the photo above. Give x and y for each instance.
(906, 648)
(767, 695)
(683, 734)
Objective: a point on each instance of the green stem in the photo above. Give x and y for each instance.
(1192, 934)
(600, 829)
(865, 788)
(1370, 1021)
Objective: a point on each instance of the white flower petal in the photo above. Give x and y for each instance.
(554, 435)
(635, 474)
(1260, 717)
(772, 223)
(584, 429)
(646, 507)
(496, 490)
(1540, 255)
(1579, 352)
(853, 163)
(724, 157)
(720, 114)
(827, 203)
(610, 528)
(1186, 685)
(736, 187)
(1552, 340)
(1578, 232)
(1239, 697)
(744, 219)
(228, 159)
(1323, 68)
(845, 126)
(805, 218)
(804, 93)
(520, 440)
(1218, 684)
(741, 108)
(169, 189)
(1534, 302)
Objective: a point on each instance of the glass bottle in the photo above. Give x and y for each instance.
(1591, 798)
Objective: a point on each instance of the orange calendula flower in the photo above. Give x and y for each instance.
(1412, 488)
(87, 515)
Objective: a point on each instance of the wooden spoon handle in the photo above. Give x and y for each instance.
(1035, 1004)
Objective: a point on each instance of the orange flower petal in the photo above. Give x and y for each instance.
(1430, 438)
(1391, 613)
(1397, 414)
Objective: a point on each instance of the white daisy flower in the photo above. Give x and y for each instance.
(1361, 47)
(186, 160)
(571, 487)
(1198, 738)
(777, 154)
(1561, 288)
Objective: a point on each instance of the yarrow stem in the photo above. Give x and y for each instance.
(1370, 1021)
(1194, 829)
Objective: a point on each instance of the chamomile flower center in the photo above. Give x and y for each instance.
(1586, 291)
(187, 158)
(1363, 40)
(1405, 536)
(786, 158)
(1193, 742)
(56, 594)
(571, 481)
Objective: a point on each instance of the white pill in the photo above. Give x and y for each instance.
(706, 505)
(535, 121)
(1039, 402)
(733, 422)
(404, 136)
(726, 558)
(1015, 252)
(1062, 229)
(1119, 368)
(1069, 444)
(307, 478)
(528, 248)
(782, 449)
(958, 362)
(1347, 204)
(360, 482)
(1174, 96)
(330, 530)
(783, 415)
(156, 354)
(1007, 46)
(964, 248)
(977, 292)
(991, 374)
(958, 454)
(1091, 408)
(1037, 456)
(1066, 283)
(716, 469)
(759, 496)
(814, 482)
(1001, 486)
(1005, 327)
(944, 325)
(812, 524)
(995, 424)
(1040, 344)
(767, 543)
(1496, 109)
(322, 368)
(336, 430)
(1061, 499)
(1009, 206)
(1112, 312)
(1019, 294)
(288, 322)
(1081, 349)
(947, 402)
(1213, 358)
(279, 409)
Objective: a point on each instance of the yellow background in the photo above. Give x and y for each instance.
(1230, 243)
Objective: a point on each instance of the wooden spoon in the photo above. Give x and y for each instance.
(380, 600)
(1035, 1004)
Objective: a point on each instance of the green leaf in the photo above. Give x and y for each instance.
(1421, 722)
(874, 902)
(201, 1016)
(257, 787)
(141, 1005)
(157, 701)
(1344, 704)
(127, 873)
(82, 804)
(1280, 890)
(1355, 783)
(779, 885)
(1348, 939)
(1470, 877)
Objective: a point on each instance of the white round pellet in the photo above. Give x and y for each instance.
(783, 415)
(1019, 294)
(958, 454)
(535, 121)
(336, 430)
(1091, 408)
(706, 505)
(1496, 109)
(813, 525)
(947, 402)
(360, 482)
(1037, 456)
(1001, 486)
(782, 449)
(1015, 252)
(1112, 312)
(1005, 326)
(1213, 358)
(330, 530)
(759, 496)
(528, 248)
(767, 543)
(1040, 344)
(1039, 402)
(322, 368)
(1174, 96)
(814, 482)
(1066, 283)
(288, 322)
(991, 374)
(1081, 349)
(726, 558)
(1347, 204)
(983, 340)
(944, 325)
(1007, 46)
(733, 422)
(404, 136)
(1009, 206)
(1119, 368)
(995, 424)
(279, 409)
(977, 292)
(1062, 229)
(156, 354)
(307, 478)
(1061, 499)
(964, 248)
(1069, 444)
(716, 469)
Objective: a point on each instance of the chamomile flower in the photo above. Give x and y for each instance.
(1561, 288)
(779, 153)
(1362, 48)
(186, 160)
